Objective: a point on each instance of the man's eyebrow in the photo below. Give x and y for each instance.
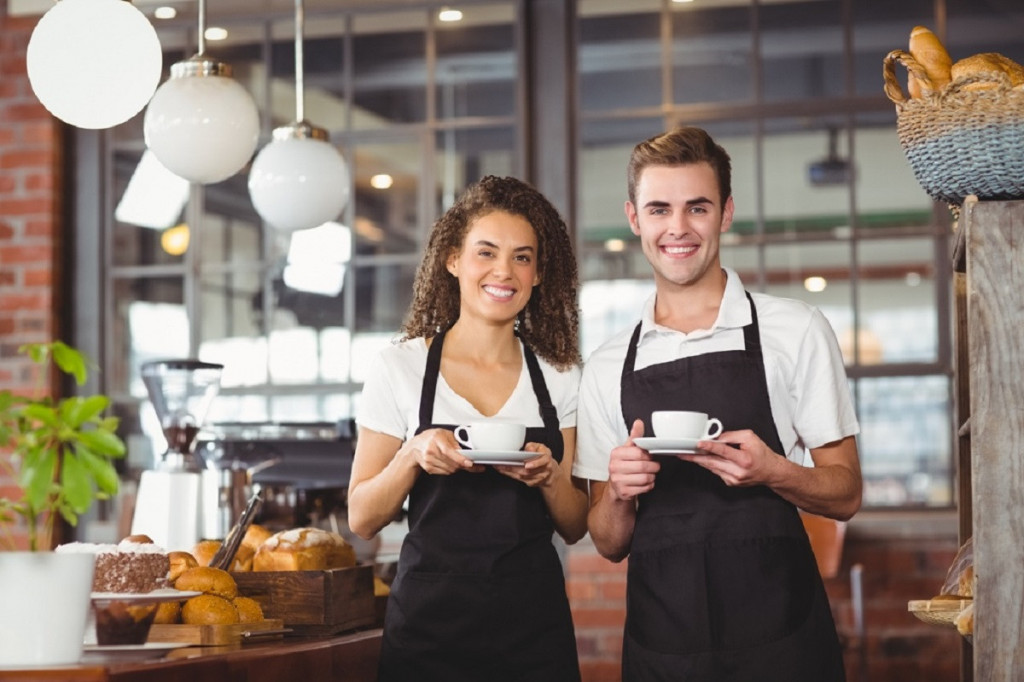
(657, 203)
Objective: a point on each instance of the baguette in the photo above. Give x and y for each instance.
(928, 51)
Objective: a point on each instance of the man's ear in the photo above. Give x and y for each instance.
(631, 217)
(728, 211)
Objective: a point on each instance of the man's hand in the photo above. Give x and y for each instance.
(631, 469)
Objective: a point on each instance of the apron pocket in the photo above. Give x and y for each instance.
(759, 590)
(668, 611)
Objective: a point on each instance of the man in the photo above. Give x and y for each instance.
(722, 583)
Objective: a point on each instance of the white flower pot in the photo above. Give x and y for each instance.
(44, 605)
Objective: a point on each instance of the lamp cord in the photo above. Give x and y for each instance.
(300, 20)
(202, 28)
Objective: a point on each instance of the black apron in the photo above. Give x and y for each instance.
(722, 583)
(480, 594)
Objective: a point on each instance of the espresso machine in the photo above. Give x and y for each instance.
(169, 505)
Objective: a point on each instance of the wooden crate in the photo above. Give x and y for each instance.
(216, 635)
(314, 602)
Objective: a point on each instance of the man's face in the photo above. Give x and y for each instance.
(679, 218)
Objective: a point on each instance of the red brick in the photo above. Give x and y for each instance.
(30, 158)
(589, 618)
(24, 302)
(38, 277)
(43, 131)
(34, 181)
(13, 255)
(14, 207)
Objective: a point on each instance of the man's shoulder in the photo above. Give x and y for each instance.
(772, 308)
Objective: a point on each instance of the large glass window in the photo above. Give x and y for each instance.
(419, 108)
(827, 209)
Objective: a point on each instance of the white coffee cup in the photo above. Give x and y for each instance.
(492, 436)
(682, 424)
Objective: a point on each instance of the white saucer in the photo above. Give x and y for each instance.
(667, 446)
(166, 594)
(505, 457)
(135, 652)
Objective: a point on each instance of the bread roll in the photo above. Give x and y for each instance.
(255, 536)
(208, 609)
(249, 610)
(208, 580)
(985, 63)
(928, 51)
(180, 562)
(965, 582)
(205, 550)
(304, 549)
(168, 613)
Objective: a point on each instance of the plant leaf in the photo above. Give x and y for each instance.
(77, 411)
(77, 482)
(102, 470)
(70, 361)
(37, 474)
(102, 442)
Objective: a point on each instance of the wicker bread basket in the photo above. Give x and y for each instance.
(961, 141)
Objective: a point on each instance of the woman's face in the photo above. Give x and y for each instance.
(496, 268)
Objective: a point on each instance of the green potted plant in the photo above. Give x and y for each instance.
(59, 460)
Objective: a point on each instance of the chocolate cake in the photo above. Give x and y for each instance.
(128, 567)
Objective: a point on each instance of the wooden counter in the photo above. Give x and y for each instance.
(342, 658)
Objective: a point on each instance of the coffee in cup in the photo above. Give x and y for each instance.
(685, 425)
(493, 436)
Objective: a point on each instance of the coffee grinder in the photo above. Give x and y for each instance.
(169, 504)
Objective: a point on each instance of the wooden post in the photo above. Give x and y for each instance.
(995, 305)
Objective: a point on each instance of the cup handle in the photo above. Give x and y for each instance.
(462, 436)
(712, 430)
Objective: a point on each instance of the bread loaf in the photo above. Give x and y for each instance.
(303, 549)
(986, 63)
(930, 53)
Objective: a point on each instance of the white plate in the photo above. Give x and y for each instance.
(506, 457)
(166, 594)
(135, 652)
(667, 446)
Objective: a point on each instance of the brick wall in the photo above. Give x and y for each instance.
(895, 571)
(30, 208)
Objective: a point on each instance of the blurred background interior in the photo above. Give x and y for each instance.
(422, 103)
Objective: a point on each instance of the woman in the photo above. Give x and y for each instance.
(492, 332)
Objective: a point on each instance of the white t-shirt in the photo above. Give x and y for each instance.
(390, 402)
(807, 384)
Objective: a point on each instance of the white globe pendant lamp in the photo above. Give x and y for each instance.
(299, 180)
(94, 63)
(201, 124)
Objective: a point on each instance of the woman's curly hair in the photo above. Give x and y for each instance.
(550, 322)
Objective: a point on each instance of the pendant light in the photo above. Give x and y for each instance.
(299, 180)
(94, 63)
(201, 124)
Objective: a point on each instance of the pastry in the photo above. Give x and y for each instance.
(303, 549)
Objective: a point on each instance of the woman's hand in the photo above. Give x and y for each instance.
(539, 471)
(436, 452)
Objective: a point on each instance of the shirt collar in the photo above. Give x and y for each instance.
(733, 313)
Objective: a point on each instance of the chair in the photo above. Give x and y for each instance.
(827, 536)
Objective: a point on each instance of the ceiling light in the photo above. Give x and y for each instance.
(299, 180)
(912, 279)
(165, 12)
(615, 245)
(815, 284)
(381, 181)
(201, 124)
(447, 14)
(317, 258)
(174, 240)
(216, 33)
(94, 63)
